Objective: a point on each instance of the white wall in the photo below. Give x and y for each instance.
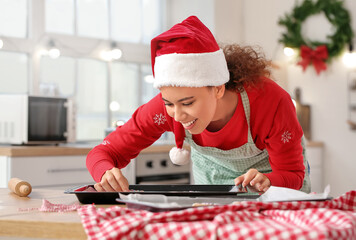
(178, 10)
(325, 93)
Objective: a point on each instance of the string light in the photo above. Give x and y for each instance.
(288, 51)
(105, 55)
(53, 51)
(114, 106)
(113, 54)
(349, 58)
(149, 78)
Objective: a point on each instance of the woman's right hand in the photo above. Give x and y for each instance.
(112, 181)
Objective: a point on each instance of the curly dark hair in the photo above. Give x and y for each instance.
(246, 65)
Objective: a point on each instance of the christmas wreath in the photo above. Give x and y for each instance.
(316, 52)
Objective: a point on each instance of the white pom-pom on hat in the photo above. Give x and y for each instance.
(179, 156)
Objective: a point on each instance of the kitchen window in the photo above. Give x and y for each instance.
(91, 99)
(14, 64)
(59, 15)
(124, 89)
(13, 77)
(14, 18)
(92, 18)
(112, 91)
(135, 21)
(90, 90)
(81, 29)
(147, 89)
(58, 75)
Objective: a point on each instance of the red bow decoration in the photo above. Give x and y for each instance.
(317, 57)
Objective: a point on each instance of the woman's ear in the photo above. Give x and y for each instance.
(220, 90)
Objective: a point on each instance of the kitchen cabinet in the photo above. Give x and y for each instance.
(56, 166)
(351, 95)
(314, 154)
(45, 171)
(44, 166)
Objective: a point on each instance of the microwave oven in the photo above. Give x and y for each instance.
(26, 119)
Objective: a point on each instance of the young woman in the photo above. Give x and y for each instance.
(241, 126)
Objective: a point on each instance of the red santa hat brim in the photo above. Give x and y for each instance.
(187, 55)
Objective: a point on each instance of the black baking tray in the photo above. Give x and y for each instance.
(86, 194)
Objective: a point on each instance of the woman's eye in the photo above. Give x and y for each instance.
(187, 104)
(168, 104)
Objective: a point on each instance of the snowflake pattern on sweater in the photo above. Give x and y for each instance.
(159, 119)
(286, 137)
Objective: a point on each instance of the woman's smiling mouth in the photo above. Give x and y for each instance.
(189, 125)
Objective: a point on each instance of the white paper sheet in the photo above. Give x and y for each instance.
(162, 201)
(273, 194)
(278, 194)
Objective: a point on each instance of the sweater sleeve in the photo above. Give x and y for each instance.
(146, 125)
(284, 147)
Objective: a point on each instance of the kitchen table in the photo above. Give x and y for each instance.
(334, 219)
(20, 219)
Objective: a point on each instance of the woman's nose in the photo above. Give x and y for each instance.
(178, 114)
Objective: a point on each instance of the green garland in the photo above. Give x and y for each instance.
(336, 14)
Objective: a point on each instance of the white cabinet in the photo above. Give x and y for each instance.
(46, 171)
(314, 154)
(56, 166)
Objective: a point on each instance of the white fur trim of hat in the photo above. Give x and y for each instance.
(191, 69)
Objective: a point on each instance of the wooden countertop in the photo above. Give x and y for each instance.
(23, 151)
(15, 222)
(65, 150)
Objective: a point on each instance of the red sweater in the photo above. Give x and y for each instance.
(273, 121)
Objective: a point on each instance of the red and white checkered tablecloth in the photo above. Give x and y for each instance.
(332, 219)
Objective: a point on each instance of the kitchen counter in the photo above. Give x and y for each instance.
(15, 222)
(63, 165)
(79, 149)
(65, 150)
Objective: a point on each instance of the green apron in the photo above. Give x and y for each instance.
(215, 166)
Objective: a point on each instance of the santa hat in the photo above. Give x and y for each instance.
(187, 55)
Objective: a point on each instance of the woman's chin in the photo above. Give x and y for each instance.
(195, 131)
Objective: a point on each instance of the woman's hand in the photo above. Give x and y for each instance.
(255, 179)
(112, 181)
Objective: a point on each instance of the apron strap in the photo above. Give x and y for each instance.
(246, 104)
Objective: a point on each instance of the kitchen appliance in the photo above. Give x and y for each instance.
(26, 119)
(157, 168)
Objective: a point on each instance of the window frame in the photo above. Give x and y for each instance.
(79, 48)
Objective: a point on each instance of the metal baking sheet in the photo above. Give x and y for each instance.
(162, 203)
(86, 194)
(149, 207)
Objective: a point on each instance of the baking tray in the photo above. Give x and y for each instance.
(150, 206)
(161, 203)
(86, 194)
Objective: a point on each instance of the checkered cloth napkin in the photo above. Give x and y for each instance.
(332, 219)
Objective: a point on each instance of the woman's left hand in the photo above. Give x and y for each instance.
(255, 179)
